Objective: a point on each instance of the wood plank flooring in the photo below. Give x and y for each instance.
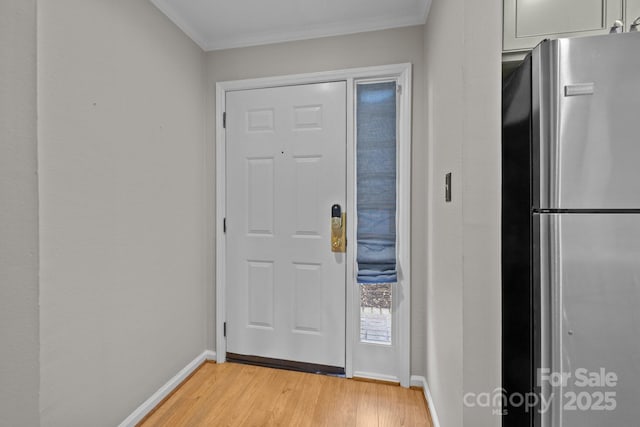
(230, 394)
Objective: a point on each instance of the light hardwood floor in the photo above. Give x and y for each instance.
(230, 394)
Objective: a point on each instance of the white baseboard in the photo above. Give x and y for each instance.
(419, 381)
(142, 410)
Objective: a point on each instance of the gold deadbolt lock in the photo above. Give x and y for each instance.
(338, 229)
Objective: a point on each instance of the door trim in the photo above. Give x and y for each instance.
(400, 72)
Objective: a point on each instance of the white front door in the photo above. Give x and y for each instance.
(286, 167)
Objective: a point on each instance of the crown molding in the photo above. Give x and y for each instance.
(174, 17)
(337, 29)
(426, 7)
(278, 36)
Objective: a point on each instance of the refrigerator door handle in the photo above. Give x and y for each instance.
(579, 89)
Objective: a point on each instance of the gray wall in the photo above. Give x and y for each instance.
(333, 53)
(19, 352)
(445, 107)
(121, 146)
(462, 71)
(481, 162)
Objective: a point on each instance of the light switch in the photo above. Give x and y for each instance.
(447, 187)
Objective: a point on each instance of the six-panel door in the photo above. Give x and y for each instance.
(286, 167)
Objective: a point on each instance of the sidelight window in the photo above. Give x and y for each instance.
(376, 188)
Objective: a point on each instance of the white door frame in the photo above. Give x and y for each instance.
(400, 72)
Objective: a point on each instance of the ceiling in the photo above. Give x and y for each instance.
(223, 24)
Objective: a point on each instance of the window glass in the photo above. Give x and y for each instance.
(375, 313)
(376, 139)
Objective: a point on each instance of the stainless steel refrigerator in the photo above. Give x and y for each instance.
(571, 235)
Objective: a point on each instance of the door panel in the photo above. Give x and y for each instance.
(595, 320)
(286, 167)
(589, 125)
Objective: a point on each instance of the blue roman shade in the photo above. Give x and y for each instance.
(376, 182)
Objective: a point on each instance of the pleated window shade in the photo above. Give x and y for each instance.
(376, 138)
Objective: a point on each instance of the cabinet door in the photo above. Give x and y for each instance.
(527, 22)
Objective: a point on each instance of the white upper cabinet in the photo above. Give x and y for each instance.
(527, 22)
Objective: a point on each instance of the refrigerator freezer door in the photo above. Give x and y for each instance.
(586, 123)
(591, 273)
